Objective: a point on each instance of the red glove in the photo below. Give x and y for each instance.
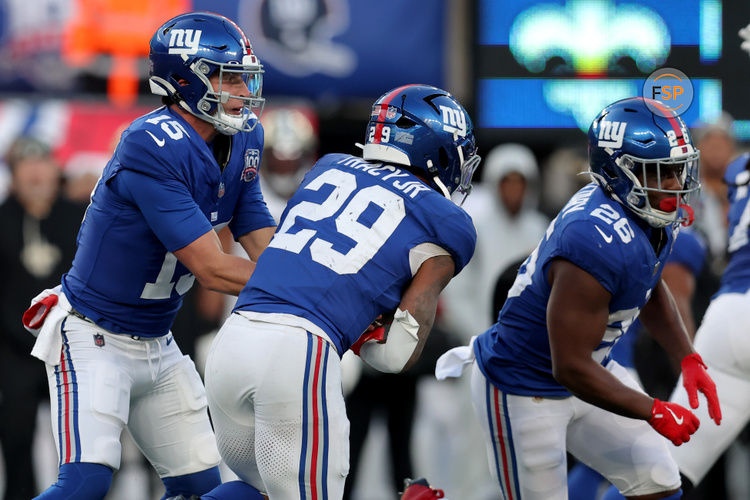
(35, 315)
(375, 334)
(673, 421)
(695, 378)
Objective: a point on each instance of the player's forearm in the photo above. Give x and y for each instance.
(425, 317)
(662, 319)
(592, 383)
(227, 274)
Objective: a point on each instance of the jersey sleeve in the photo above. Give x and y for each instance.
(138, 151)
(167, 206)
(455, 233)
(689, 250)
(735, 167)
(251, 212)
(583, 243)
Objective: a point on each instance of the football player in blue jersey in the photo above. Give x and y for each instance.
(361, 238)
(178, 174)
(542, 380)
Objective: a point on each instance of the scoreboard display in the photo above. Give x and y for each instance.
(553, 64)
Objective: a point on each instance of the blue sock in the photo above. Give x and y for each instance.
(196, 483)
(79, 481)
(233, 490)
(613, 494)
(584, 483)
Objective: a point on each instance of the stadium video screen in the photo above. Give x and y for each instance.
(553, 64)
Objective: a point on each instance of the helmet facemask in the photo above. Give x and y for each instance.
(468, 167)
(649, 177)
(210, 107)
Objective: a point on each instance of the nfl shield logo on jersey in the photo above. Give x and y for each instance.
(99, 339)
(252, 158)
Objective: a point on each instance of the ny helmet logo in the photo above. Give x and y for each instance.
(454, 121)
(184, 41)
(611, 134)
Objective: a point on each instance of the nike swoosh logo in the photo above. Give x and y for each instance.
(677, 420)
(607, 238)
(159, 142)
(169, 340)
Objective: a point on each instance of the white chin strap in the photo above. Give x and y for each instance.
(438, 182)
(442, 187)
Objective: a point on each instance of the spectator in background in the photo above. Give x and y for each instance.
(562, 177)
(290, 151)
(716, 142)
(81, 176)
(82, 170)
(508, 227)
(39, 232)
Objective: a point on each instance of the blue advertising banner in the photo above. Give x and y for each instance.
(319, 48)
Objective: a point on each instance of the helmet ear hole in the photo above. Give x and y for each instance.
(443, 158)
(405, 122)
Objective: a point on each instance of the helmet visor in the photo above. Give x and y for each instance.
(240, 83)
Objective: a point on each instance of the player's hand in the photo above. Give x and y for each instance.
(745, 34)
(695, 378)
(673, 421)
(372, 334)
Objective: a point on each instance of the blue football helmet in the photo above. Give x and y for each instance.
(628, 143)
(187, 50)
(426, 128)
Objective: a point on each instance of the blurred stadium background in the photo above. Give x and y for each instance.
(72, 72)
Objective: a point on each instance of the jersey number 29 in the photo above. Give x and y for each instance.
(368, 240)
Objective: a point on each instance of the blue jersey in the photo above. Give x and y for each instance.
(736, 277)
(340, 256)
(689, 250)
(601, 237)
(161, 190)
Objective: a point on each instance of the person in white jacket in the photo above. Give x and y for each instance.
(509, 225)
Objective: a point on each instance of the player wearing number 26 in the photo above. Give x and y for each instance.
(178, 174)
(361, 237)
(542, 380)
